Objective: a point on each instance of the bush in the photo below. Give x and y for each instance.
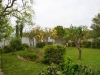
(83, 43)
(53, 54)
(93, 44)
(24, 45)
(68, 68)
(16, 44)
(29, 55)
(96, 43)
(72, 44)
(87, 44)
(49, 43)
(7, 49)
(40, 44)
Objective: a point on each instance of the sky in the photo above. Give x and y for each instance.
(51, 13)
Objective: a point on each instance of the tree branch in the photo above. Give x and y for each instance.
(8, 6)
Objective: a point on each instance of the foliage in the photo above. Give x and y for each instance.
(7, 49)
(86, 44)
(5, 28)
(29, 55)
(96, 26)
(60, 34)
(24, 45)
(71, 44)
(54, 54)
(16, 44)
(75, 34)
(12, 65)
(41, 34)
(68, 68)
(49, 43)
(40, 44)
(96, 43)
(13, 9)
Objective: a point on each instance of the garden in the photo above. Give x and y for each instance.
(52, 59)
(73, 50)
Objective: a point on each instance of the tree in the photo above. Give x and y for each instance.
(60, 33)
(96, 26)
(75, 34)
(47, 33)
(19, 29)
(5, 29)
(20, 10)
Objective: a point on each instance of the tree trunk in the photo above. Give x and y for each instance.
(79, 49)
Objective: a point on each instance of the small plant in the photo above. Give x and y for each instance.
(54, 54)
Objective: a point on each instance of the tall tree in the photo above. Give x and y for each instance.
(96, 25)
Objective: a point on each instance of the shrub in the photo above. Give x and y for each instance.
(96, 43)
(40, 44)
(87, 44)
(29, 55)
(7, 49)
(72, 44)
(16, 44)
(24, 45)
(53, 54)
(83, 43)
(49, 43)
(93, 44)
(68, 68)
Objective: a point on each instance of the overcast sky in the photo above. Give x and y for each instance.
(50, 13)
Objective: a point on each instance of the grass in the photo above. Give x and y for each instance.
(12, 65)
(90, 57)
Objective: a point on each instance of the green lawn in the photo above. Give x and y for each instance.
(90, 57)
(12, 65)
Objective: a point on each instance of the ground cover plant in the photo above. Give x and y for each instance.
(12, 65)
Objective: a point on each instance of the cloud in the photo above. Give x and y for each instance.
(50, 13)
